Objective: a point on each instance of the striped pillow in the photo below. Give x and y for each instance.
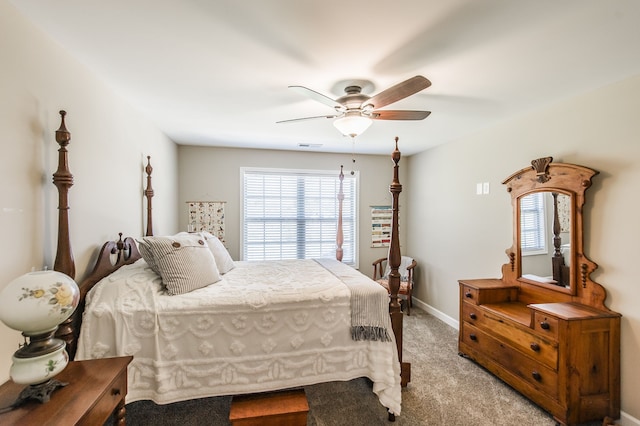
(185, 262)
(147, 255)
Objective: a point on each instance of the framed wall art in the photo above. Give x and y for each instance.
(381, 226)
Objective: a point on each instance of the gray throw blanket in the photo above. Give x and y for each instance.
(369, 302)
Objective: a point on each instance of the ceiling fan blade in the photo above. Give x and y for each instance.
(397, 92)
(399, 115)
(307, 118)
(316, 96)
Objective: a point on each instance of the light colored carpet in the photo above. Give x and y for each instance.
(445, 389)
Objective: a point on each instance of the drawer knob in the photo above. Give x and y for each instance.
(468, 295)
(473, 316)
(536, 375)
(473, 337)
(115, 392)
(544, 325)
(535, 347)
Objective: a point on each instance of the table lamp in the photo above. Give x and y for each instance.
(35, 303)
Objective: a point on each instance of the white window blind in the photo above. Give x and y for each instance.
(532, 224)
(293, 214)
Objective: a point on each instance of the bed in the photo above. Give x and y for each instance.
(262, 326)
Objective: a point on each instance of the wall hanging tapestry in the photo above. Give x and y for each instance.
(207, 216)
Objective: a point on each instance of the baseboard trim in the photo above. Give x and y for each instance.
(628, 420)
(436, 313)
(624, 420)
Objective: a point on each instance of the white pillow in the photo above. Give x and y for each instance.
(220, 253)
(185, 262)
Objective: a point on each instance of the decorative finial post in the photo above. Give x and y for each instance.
(339, 233)
(393, 259)
(148, 192)
(63, 180)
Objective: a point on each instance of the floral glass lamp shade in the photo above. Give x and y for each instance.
(35, 304)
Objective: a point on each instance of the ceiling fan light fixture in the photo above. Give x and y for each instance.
(352, 125)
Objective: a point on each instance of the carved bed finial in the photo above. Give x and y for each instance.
(63, 136)
(119, 243)
(395, 155)
(541, 166)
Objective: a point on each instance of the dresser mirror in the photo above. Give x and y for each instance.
(545, 238)
(547, 252)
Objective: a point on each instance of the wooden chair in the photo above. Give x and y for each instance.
(381, 272)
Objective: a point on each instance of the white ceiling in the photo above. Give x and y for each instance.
(215, 72)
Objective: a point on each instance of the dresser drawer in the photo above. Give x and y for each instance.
(479, 296)
(469, 294)
(107, 402)
(529, 343)
(546, 325)
(534, 373)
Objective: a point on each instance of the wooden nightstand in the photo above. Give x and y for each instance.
(96, 389)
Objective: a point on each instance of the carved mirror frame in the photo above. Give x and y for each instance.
(545, 176)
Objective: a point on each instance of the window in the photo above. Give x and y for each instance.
(532, 224)
(293, 214)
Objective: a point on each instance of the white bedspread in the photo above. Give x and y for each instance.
(265, 326)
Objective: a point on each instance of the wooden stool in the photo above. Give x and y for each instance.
(286, 408)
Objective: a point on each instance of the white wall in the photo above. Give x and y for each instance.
(108, 143)
(456, 234)
(214, 174)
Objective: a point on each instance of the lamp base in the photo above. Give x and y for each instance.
(41, 392)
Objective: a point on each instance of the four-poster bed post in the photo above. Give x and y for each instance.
(394, 259)
(63, 180)
(148, 193)
(560, 271)
(339, 233)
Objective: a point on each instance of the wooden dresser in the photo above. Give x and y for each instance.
(96, 389)
(556, 343)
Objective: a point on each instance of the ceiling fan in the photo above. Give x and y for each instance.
(355, 110)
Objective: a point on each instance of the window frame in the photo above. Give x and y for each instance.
(303, 172)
